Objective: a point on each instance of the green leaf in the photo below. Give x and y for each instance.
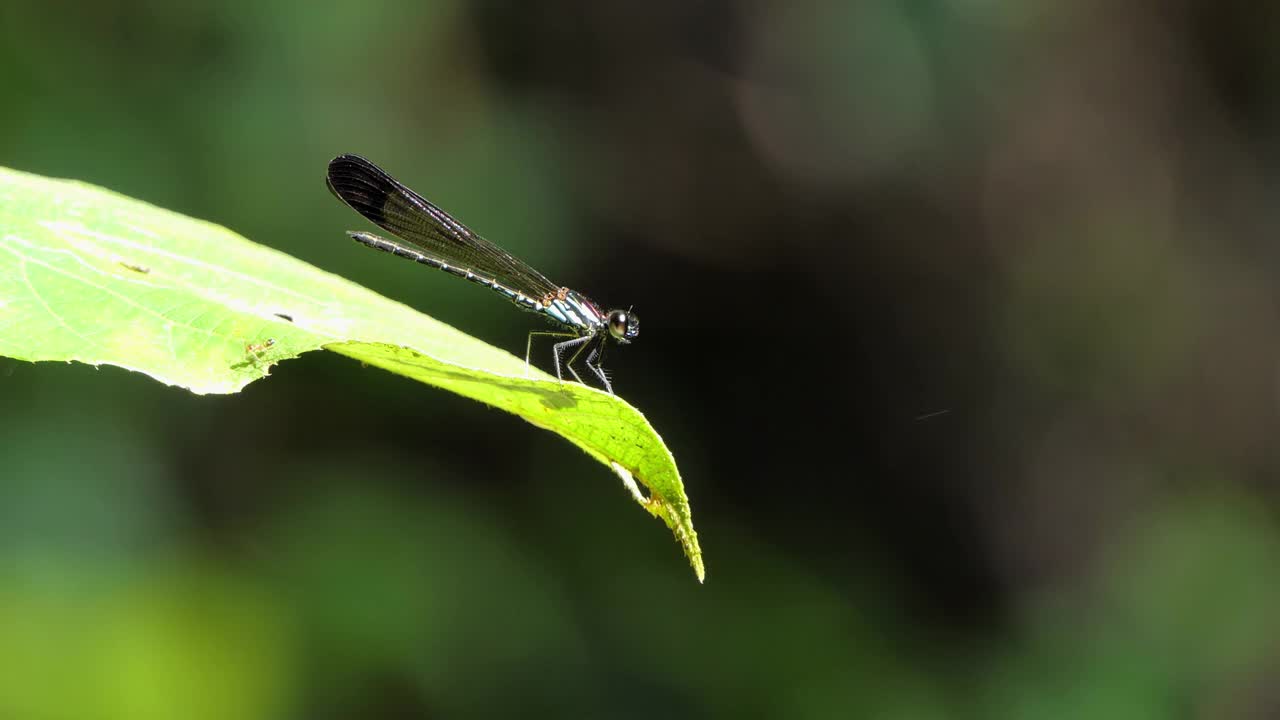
(91, 276)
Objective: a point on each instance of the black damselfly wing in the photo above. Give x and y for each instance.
(387, 203)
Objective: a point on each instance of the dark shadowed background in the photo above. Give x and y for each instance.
(961, 318)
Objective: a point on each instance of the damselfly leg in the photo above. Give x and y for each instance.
(581, 342)
(560, 347)
(528, 347)
(597, 355)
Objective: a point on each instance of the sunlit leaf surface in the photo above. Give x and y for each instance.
(91, 276)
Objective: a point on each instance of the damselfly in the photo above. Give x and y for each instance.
(430, 236)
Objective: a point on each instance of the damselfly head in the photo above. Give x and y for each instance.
(624, 326)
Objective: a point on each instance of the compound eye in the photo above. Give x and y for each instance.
(618, 324)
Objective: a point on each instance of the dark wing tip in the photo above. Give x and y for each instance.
(360, 184)
(348, 169)
(349, 160)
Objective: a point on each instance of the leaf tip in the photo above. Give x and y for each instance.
(678, 518)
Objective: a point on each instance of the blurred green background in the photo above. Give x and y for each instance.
(961, 318)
